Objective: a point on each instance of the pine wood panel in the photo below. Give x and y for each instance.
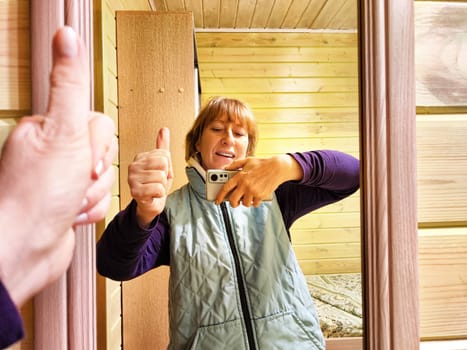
(274, 69)
(159, 87)
(325, 266)
(441, 75)
(276, 39)
(106, 100)
(329, 235)
(442, 169)
(302, 14)
(6, 126)
(443, 282)
(302, 115)
(233, 85)
(15, 82)
(277, 146)
(277, 54)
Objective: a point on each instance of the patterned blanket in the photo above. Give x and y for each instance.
(338, 302)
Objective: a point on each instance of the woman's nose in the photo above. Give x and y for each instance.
(228, 136)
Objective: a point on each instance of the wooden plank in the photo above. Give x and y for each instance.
(15, 84)
(301, 115)
(276, 39)
(295, 12)
(327, 251)
(442, 168)
(196, 6)
(260, 17)
(327, 235)
(280, 146)
(338, 99)
(344, 343)
(6, 126)
(443, 276)
(277, 69)
(143, 108)
(320, 266)
(274, 85)
(440, 53)
(278, 54)
(303, 130)
(345, 16)
(326, 220)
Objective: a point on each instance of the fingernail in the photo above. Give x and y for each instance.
(69, 43)
(99, 168)
(81, 218)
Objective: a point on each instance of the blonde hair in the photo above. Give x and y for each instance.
(216, 107)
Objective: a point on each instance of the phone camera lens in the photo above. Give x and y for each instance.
(213, 177)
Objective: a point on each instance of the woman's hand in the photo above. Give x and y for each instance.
(258, 179)
(150, 177)
(46, 169)
(104, 149)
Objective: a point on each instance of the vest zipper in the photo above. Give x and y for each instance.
(241, 283)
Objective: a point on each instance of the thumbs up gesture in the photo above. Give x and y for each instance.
(150, 177)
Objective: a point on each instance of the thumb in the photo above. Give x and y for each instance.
(163, 142)
(163, 139)
(69, 99)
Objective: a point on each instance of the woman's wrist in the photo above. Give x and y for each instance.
(289, 168)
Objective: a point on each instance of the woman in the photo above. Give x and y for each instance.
(234, 280)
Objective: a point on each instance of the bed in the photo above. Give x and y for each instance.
(338, 303)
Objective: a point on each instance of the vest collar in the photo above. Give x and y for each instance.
(196, 176)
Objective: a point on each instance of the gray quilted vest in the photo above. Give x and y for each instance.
(234, 280)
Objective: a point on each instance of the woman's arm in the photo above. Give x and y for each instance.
(11, 326)
(126, 250)
(328, 176)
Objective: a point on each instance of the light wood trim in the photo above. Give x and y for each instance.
(389, 220)
(355, 343)
(82, 272)
(50, 308)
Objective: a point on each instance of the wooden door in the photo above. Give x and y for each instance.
(155, 67)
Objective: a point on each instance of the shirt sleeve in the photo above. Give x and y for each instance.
(328, 177)
(11, 325)
(126, 250)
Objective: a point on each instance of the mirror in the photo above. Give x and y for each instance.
(373, 74)
(302, 85)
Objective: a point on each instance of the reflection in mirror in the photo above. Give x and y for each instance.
(296, 66)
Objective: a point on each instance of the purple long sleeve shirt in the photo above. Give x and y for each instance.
(11, 325)
(125, 250)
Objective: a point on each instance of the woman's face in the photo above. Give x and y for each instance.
(221, 143)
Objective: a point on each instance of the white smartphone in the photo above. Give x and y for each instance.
(216, 178)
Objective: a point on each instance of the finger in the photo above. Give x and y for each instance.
(69, 99)
(98, 189)
(163, 139)
(236, 164)
(104, 145)
(225, 190)
(95, 213)
(163, 142)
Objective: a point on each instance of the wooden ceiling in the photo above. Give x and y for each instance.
(267, 14)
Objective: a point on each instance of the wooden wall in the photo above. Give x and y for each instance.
(109, 310)
(441, 78)
(303, 89)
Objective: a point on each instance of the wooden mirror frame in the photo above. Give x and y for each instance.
(388, 169)
(389, 222)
